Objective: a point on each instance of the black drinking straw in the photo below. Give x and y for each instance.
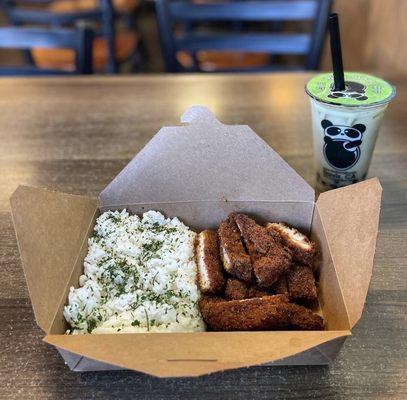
(336, 52)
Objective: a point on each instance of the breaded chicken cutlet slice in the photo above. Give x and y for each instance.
(303, 319)
(234, 257)
(280, 287)
(238, 290)
(266, 313)
(255, 291)
(259, 238)
(210, 275)
(270, 258)
(301, 247)
(301, 284)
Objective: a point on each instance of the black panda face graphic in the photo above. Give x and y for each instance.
(354, 90)
(341, 144)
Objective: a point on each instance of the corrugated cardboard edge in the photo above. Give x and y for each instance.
(352, 249)
(186, 354)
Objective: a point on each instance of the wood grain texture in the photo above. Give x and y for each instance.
(75, 134)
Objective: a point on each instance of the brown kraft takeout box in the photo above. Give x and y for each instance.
(201, 171)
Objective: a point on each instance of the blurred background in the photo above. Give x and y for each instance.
(49, 37)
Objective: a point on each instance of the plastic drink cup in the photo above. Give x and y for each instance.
(345, 126)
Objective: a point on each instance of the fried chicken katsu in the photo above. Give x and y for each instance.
(301, 247)
(266, 313)
(210, 275)
(255, 291)
(301, 284)
(260, 239)
(238, 290)
(302, 318)
(266, 271)
(280, 287)
(235, 259)
(269, 257)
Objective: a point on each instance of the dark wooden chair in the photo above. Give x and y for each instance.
(116, 46)
(79, 40)
(178, 23)
(109, 47)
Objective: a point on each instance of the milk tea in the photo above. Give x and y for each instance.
(345, 126)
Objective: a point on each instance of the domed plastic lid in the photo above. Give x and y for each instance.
(361, 90)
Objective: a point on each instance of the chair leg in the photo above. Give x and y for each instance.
(136, 62)
(28, 58)
(138, 56)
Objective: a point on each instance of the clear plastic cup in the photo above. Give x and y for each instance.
(345, 126)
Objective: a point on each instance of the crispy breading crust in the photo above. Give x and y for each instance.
(269, 257)
(235, 259)
(210, 275)
(302, 318)
(303, 251)
(266, 313)
(255, 291)
(238, 290)
(280, 287)
(301, 284)
(268, 270)
(249, 306)
(259, 237)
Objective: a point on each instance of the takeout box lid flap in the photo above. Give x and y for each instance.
(350, 218)
(192, 354)
(206, 160)
(50, 228)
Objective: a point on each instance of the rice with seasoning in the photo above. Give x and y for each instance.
(139, 276)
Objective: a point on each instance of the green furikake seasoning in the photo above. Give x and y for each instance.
(139, 276)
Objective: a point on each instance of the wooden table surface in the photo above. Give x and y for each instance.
(76, 134)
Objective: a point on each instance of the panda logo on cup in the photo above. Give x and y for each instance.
(341, 144)
(353, 90)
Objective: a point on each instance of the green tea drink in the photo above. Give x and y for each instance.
(345, 126)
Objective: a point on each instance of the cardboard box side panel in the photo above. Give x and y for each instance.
(190, 354)
(59, 324)
(331, 349)
(323, 354)
(309, 357)
(49, 228)
(71, 359)
(206, 160)
(320, 355)
(330, 294)
(350, 217)
(200, 215)
(87, 364)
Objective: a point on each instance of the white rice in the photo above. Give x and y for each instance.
(139, 276)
